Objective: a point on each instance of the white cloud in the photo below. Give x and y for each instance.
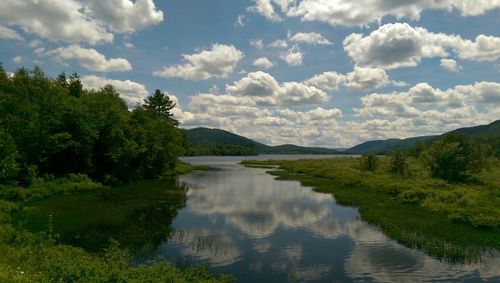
(219, 62)
(279, 43)
(263, 89)
(257, 43)
(266, 9)
(355, 13)
(359, 79)
(55, 20)
(8, 33)
(86, 21)
(91, 59)
(328, 81)
(35, 43)
(130, 91)
(17, 60)
(422, 100)
(293, 57)
(263, 62)
(310, 38)
(367, 78)
(240, 21)
(125, 16)
(400, 45)
(450, 65)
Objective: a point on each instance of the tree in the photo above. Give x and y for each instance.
(369, 162)
(161, 104)
(9, 168)
(398, 164)
(75, 86)
(454, 158)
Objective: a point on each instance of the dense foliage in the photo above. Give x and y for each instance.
(398, 164)
(369, 162)
(454, 158)
(54, 127)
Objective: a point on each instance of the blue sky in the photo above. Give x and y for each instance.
(310, 72)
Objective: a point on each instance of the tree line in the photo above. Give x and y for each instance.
(54, 127)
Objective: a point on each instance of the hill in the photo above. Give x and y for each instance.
(204, 141)
(487, 134)
(383, 146)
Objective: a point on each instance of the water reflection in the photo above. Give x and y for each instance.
(242, 221)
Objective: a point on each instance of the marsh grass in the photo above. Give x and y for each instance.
(451, 222)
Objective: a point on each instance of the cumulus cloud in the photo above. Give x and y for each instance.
(279, 43)
(310, 38)
(265, 90)
(125, 16)
(359, 79)
(328, 81)
(355, 13)
(293, 57)
(86, 21)
(266, 9)
(8, 33)
(263, 62)
(218, 62)
(130, 91)
(450, 65)
(398, 45)
(91, 59)
(366, 78)
(425, 101)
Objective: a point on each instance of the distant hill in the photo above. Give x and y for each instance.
(489, 134)
(204, 141)
(383, 146)
(216, 136)
(294, 149)
(492, 129)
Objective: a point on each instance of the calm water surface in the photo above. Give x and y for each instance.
(242, 221)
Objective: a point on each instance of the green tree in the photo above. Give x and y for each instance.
(454, 158)
(9, 168)
(398, 164)
(161, 104)
(369, 162)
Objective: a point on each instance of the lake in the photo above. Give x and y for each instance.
(244, 222)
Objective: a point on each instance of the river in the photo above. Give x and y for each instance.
(242, 221)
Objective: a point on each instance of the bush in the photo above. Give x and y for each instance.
(398, 164)
(454, 158)
(369, 162)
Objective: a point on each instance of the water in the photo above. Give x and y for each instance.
(242, 221)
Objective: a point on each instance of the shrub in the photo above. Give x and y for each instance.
(369, 162)
(398, 164)
(454, 158)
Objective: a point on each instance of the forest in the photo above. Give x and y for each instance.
(50, 128)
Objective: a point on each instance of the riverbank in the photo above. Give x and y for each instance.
(452, 222)
(40, 254)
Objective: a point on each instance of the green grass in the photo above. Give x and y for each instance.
(452, 222)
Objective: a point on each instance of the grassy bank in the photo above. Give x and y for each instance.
(75, 230)
(454, 222)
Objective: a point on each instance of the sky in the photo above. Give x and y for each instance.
(329, 73)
